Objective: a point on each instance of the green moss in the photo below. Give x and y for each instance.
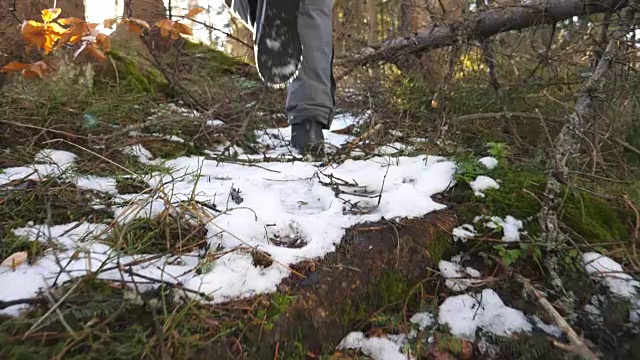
(136, 77)
(596, 219)
(517, 183)
(213, 62)
(278, 305)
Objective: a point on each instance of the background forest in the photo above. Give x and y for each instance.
(480, 199)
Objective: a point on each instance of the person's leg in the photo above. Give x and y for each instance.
(311, 95)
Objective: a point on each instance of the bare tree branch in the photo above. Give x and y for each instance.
(487, 23)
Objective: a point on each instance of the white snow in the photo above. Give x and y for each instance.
(464, 314)
(510, 227)
(284, 198)
(457, 276)
(482, 183)
(613, 275)
(97, 183)
(463, 232)
(489, 162)
(137, 150)
(423, 319)
(215, 122)
(378, 348)
(549, 329)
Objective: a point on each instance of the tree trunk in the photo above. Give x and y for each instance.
(372, 13)
(12, 46)
(147, 10)
(416, 17)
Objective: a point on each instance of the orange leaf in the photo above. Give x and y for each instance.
(103, 41)
(35, 70)
(164, 24)
(70, 21)
(175, 34)
(92, 50)
(182, 28)
(108, 23)
(194, 12)
(49, 15)
(14, 66)
(136, 25)
(34, 33)
(164, 32)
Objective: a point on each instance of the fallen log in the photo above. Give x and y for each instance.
(486, 23)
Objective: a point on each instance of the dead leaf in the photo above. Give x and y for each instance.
(182, 28)
(194, 12)
(344, 131)
(35, 70)
(34, 33)
(29, 71)
(70, 21)
(108, 23)
(103, 42)
(467, 350)
(136, 25)
(14, 66)
(15, 259)
(49, 15)
(93, 51)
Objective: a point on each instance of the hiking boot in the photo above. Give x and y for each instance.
(307, 137)
(278, 49)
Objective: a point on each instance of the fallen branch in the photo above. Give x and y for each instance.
(484, 24)
(567, 143)
(576, 345)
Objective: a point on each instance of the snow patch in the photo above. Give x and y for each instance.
(456, 275)
(423, 320)
(617, 280)
(464, 314)
(510, 227)
(378, 348)
(463, 232)
(482, 183)
(489, 162)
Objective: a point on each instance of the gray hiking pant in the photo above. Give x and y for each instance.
(312, 93)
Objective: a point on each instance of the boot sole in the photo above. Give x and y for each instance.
(278, 50)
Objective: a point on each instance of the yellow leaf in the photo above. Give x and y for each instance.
(53, 32)
(194, 12)
(108, 23)
(49, 15)
(434, 103)
(70, 21)
(182, 28)
(15, 259)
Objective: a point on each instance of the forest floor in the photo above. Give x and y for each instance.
(137, 223)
